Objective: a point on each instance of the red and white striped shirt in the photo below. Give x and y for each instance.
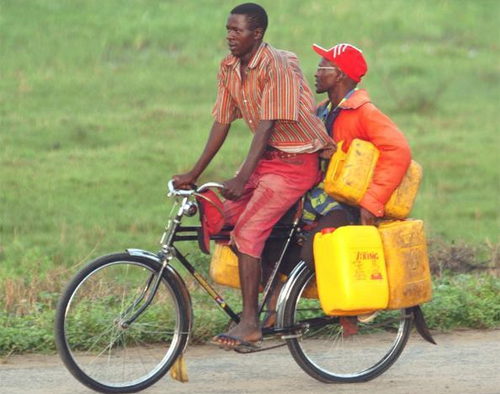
(274, 88)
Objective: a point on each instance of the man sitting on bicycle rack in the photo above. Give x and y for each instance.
(266, 88)
(348, 114)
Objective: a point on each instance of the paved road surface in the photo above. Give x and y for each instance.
(466, 362)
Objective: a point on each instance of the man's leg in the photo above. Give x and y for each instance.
(274, 194)
(270, 255)
(248, 329)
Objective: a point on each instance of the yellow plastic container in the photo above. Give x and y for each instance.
(402, 199)
(349, 175)
(350, 270)
(405, 252)
(224, 266)
(224, 271)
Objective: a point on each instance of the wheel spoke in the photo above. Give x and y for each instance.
(89, 334)
(342, 352)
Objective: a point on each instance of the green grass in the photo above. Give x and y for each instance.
(459, 301)
(102, 102)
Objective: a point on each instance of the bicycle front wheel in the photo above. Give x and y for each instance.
(336, 349)
(95, 343)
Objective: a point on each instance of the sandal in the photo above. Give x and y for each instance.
(238, 343)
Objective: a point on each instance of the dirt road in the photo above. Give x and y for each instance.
(466, 362)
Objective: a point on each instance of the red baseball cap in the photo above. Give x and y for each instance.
(346, 57)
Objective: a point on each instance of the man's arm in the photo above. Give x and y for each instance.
(393, 162)
(233, 188)
(217, 136)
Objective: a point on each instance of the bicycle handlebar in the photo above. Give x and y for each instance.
(187, 193)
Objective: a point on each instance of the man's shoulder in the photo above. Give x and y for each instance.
(358, 100)
(364, 108)
(280, 57)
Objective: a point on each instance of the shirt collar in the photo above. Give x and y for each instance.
(355, 100)
(341, 104)
(258, 56)
(233, 61)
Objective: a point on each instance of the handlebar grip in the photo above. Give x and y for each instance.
(171, 186)
(178, 192)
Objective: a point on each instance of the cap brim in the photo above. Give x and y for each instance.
(320, 50)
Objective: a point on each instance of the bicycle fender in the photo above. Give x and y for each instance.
(285, 292)
(421, 325)
(173, 274)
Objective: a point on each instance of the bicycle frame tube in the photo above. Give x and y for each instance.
(208, 288)
(176, 232)
(274, 273)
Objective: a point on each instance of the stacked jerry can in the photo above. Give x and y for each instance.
(360, 269)
(364, 268)
(349, 260)
(349, 174)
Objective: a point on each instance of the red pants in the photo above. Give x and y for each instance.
(274, 186)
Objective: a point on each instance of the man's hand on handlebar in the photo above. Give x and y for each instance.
(184, 181)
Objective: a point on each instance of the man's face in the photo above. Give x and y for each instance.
(240, 39)
(326, 76)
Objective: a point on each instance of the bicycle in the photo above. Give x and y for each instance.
(133, 315)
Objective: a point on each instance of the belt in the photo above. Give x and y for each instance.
(272, 153)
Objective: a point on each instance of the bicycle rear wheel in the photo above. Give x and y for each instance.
(341, 350)
(94, 344)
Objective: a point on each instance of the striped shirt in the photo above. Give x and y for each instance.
(274, 88)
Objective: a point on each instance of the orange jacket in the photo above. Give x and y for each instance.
(359, 118)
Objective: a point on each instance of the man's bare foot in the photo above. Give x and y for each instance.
(240, 336)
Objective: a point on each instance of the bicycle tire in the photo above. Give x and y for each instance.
(330, 354)
(96, 349)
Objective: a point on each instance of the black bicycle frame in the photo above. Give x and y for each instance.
(190, 233)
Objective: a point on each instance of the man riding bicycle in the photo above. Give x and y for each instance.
(266, 88)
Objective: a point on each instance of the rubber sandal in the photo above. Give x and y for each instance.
(239, 344)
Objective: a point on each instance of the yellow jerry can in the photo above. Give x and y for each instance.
(350, 270)
(402, 199)
(349, 175)
(405, 252)
(224, 266)
(224, 271)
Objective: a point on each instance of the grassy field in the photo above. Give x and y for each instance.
(102, 102)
